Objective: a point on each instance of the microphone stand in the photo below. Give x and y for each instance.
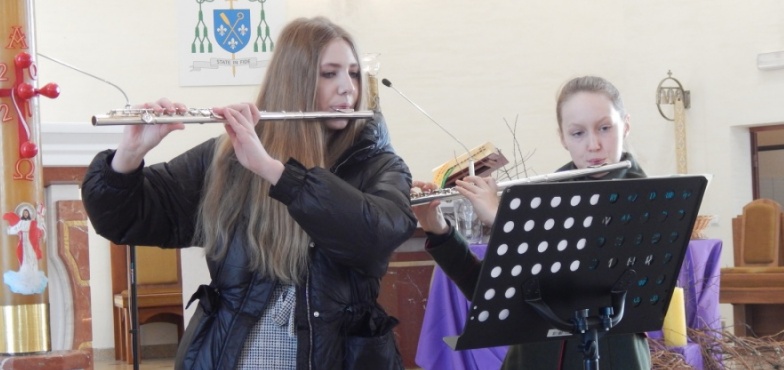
(471, 171)
(132, 303)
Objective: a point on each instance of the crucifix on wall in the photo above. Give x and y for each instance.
(681, 100)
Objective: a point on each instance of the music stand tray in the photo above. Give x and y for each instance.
(564, 258)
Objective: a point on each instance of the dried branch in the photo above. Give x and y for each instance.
(724, 350)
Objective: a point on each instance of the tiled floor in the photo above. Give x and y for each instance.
(147, 364)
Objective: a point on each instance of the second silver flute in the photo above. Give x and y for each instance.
(451, 193)
(139, 116)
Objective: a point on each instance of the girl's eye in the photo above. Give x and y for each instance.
(354, 74)
(577, 134)
(327, 74)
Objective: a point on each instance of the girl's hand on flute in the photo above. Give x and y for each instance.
(430, 217)
(482, 192)
(240, 123)
(137, 140)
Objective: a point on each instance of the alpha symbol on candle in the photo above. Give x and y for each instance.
(17, 39)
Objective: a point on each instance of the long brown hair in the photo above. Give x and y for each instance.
(236, 200)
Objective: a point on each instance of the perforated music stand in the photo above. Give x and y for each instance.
(582, 259)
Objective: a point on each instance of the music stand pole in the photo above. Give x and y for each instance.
(582, 323)
(133, 306)
(590, 344)
(590, 336)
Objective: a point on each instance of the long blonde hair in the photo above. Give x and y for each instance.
(236, 200)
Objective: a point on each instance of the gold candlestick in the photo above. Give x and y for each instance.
(370, 66)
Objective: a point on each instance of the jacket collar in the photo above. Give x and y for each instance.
(372, 140)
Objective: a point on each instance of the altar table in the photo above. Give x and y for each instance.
(447, 308)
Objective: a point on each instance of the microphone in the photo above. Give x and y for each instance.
(471, 171)
(127, 101)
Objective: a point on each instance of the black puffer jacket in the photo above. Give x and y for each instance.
(356, 214)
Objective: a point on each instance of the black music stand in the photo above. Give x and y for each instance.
(582, 258)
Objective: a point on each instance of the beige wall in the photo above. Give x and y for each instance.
(471, 65)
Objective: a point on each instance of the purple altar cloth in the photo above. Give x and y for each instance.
(699, 278)
(700, 275)
(445, 314)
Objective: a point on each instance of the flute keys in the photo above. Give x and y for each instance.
(147, 117)
(200, 112)
(427, 196)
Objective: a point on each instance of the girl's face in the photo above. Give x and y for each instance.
(592, 130)
(338, 79)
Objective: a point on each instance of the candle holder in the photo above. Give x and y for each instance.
(370, 66)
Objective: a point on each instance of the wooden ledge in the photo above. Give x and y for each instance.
(755, 295)
(753, 270)
(150, 300)
(746, 281)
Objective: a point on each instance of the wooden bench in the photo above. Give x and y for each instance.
(158, 291)
(755, 286)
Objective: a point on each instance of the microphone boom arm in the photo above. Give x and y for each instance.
(471, 170)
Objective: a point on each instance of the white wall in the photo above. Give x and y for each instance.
(470, 65)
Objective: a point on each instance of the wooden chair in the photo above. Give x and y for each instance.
(755, 286)
(158, 291)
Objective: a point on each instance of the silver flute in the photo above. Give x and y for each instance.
(451, 193)
(143, 116)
